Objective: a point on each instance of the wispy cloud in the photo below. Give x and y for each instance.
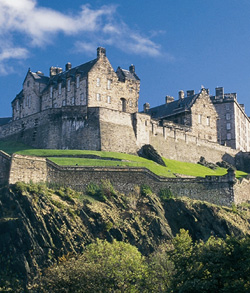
(37, 25)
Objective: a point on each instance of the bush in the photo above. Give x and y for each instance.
(145, 190)
(165, 194)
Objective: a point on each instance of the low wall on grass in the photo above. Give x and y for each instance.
(220, 190)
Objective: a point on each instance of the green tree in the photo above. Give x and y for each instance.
(103, 267)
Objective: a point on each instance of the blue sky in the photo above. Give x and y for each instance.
(174, 44)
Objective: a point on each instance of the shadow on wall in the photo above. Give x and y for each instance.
(242, 161)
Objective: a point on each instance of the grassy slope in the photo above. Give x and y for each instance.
(173, 166)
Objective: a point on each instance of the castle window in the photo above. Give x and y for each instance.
(73, 101)
(228, 136)
(98, 81)
(227, 107)
(60, 89)
(130, 103)
(208, 121)
(109, 84)
(83, 99)
(77, 81)
(109, 100)
(228, 116)
(98, 97)
(64, 103)
(228, 126)
(51, 92)
(199, 118)
(68, 85)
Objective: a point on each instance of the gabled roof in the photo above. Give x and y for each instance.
(124, 74)
(18, 96)
(173, 108)
(40, 77)
(82, 69)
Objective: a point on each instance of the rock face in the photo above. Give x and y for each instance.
(39, 225)
(148, 152)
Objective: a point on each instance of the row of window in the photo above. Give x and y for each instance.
(98, 83)
(68, 86)
(200, 119)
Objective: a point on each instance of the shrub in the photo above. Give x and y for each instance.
(145, 190)
(165, 194)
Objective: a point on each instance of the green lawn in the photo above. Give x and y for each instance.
(60, 157)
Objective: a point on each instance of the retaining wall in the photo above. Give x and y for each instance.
(5, 161)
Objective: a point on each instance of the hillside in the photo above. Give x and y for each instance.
(39, 224)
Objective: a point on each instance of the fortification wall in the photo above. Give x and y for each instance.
(69, 127)
(176, 144)
(117, 132)
(5, 161)
(220, 190)
(26, 169)
(213, 189)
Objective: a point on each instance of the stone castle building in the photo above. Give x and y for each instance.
(94, 107)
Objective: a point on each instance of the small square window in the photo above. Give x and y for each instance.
(98, 81)
(208, 121)
(228, 136)
(109, 100)
(228, 116)
(228, 126)
(199, 118)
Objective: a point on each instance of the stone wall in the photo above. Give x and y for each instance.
(214, 189)
(27, 169)
(5, 161)
(116, 130)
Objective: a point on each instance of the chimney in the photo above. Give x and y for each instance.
(132, 68)
(68, 66)
(169, 99)
(190, 93)
(181, 95)
(146, 107)
(58, 70)
(52, 71)
(39, 72)
(219, 92)
(101, 52)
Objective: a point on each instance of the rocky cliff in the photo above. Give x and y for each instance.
(38, 224)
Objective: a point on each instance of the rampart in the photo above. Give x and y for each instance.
(221, 190)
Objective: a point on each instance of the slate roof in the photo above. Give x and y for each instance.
(173, 108)
(40, 77)
(82, 69)
(5, 120)
(124, 74)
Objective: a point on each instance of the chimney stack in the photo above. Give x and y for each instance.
(68, 66)
(101, 52)
(169, 99)
(132, 68)
(219, 92)
(181, 95)
(146, 107)
(190, 93)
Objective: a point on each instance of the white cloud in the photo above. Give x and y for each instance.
(37, 26)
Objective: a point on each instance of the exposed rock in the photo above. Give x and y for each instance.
(148, 152)
(37, 227)
(207, 164)
(226, 165)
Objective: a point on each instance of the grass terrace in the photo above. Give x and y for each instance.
(105, 159)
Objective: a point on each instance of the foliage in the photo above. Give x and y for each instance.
(113, 267)
(102, 192)
(165, 194)
(145, 190)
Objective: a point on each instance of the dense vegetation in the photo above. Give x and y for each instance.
(178, 266)
(101, 158)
